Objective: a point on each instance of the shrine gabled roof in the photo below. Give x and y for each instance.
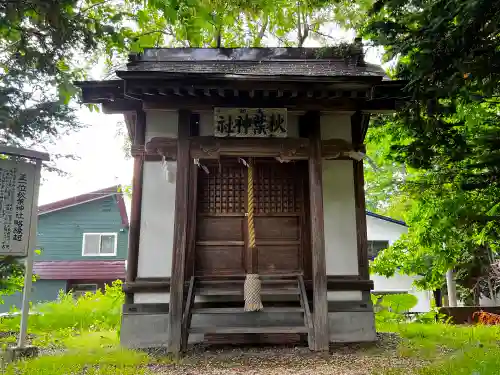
(261, 68)
(252, 62)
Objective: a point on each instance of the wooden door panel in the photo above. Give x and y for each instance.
(277, 228)
(279, 259)
(220, 228)
(219, 260)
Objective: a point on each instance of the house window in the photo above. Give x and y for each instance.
(374, 247)
(79, 290)
(99, 244)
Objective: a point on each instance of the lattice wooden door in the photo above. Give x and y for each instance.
(221, 243)
(279, 212)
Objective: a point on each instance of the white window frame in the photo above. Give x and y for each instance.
(78, 293)
(93, 285)
(100, 240)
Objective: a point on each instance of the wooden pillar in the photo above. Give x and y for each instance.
(320, 302)
(193, 201)
(180, 233)
(358, 124)
(136, 205)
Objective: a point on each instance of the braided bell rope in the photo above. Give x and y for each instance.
(252, 287)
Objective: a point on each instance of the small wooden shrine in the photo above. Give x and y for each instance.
(247, 161)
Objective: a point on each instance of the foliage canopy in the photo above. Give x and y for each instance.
(446, 140)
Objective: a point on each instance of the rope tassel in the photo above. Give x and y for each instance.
(252, 287)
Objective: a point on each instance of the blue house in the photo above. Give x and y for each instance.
(83, 245)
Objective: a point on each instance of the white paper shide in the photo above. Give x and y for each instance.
(16, 204)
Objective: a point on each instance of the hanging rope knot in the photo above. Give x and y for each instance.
(252, 289)
(252, 285)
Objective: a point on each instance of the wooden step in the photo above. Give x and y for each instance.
(240, 310)
(210, 291)
(242, 281)
(235, 330)
(238, 284)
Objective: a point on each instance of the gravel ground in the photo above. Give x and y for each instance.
(360, 359)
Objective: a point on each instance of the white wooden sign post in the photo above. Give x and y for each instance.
(19, 185)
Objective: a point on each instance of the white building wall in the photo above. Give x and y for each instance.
(339, 207)
(383, 230)
(157, 212)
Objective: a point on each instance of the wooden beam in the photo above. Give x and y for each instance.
(320, 302)
(160, 285)
(295, 102)
(212, 147)
(180, 234)
(136, 205)
(121, 106)
(359, 198)
(334, 284)
(336, 148)
(207, 147)
(244, 85)
(163, 146)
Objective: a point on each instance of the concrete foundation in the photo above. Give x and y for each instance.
(142, 331)
(144, 327)
(352, 326)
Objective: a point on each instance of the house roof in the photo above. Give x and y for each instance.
(89, 197)
(386, 218)
(80, 270)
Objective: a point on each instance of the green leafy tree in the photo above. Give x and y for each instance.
(447, 135)
(44, 45)
(452, 220)
(11, 276)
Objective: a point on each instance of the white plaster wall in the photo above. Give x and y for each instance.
(207, 124)
(152, 298)
(340, 219)
(344, 296)
(157, 222)
(158, 206)
(383, 230)
(339, 208)
(336, 125)
(161, 124)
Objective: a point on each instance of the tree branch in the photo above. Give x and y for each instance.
(262, 30)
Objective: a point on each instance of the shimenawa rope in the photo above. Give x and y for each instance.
(252, 287)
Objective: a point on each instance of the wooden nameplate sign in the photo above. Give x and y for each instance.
(250, 122)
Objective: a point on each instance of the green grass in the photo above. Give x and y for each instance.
(68, 316)
(98, 360)
(453, 350)
(91, 312)
(84, 336)
(88, 353)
